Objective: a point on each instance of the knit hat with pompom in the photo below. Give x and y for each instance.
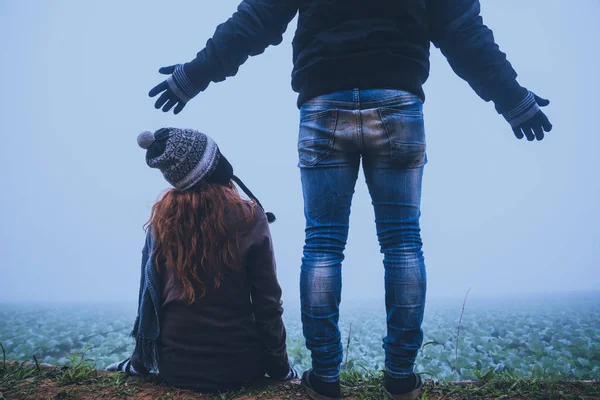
(187, 158)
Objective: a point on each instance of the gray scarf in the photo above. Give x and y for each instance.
(146, 328)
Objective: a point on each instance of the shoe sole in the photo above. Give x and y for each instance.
(314, 395)
(415, 394)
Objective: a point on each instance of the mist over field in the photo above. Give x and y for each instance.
(517, 223)
(558, 336)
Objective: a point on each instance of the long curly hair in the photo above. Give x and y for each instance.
(196, 235)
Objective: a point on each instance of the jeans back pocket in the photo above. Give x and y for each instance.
(405, 130)
(317, 135)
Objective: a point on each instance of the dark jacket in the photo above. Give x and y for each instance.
(232, 335)
(374, 44)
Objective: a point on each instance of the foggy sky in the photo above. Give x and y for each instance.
(500, 215)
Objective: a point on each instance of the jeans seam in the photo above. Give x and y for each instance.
(403, 112)
(333, 129)
(314, 115)
(387, 133)
(366, 105)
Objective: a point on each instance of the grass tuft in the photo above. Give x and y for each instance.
(80, 380)
(79, 368)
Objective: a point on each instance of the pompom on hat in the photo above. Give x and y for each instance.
(187, 158)
(145, 139)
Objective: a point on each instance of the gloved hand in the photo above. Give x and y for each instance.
(122, 366)
(176, 90)
(527, 119)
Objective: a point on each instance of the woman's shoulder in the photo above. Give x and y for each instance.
(246, 217)
(258, 220)
(253, 227)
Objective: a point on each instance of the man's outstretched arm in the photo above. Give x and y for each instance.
(456, 27)
(256, 25)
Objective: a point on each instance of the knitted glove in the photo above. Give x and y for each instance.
(122, 366)
(176, 91)
(527, 119)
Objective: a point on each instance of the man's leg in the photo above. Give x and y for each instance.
(396, 194)
(393, 163)
(329, 162)
(327, 198)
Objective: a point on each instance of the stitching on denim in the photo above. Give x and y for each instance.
(332, 127)
(314, 115)
(386, 129)
(403, 112)
(359, 131)
(420, 147)
(391, 100)
(363, 105)
(311, 142)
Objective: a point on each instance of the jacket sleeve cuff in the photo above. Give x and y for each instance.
(181, 84)
(506, 94)
(522, 111)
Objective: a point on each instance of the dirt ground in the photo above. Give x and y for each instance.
(48, 383)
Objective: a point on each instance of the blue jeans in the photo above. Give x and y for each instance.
(385, 129)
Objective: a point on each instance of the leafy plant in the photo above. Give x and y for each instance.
(561, 335)
(487, 377)
(79, 368)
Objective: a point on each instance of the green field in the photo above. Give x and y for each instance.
(555, 335)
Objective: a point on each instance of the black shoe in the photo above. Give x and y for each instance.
(319, 390)
(403, 389)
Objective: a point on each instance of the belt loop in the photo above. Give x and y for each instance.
(356, 97)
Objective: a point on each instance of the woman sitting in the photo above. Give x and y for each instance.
(209, 314)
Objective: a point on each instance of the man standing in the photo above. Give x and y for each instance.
(359, 68)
